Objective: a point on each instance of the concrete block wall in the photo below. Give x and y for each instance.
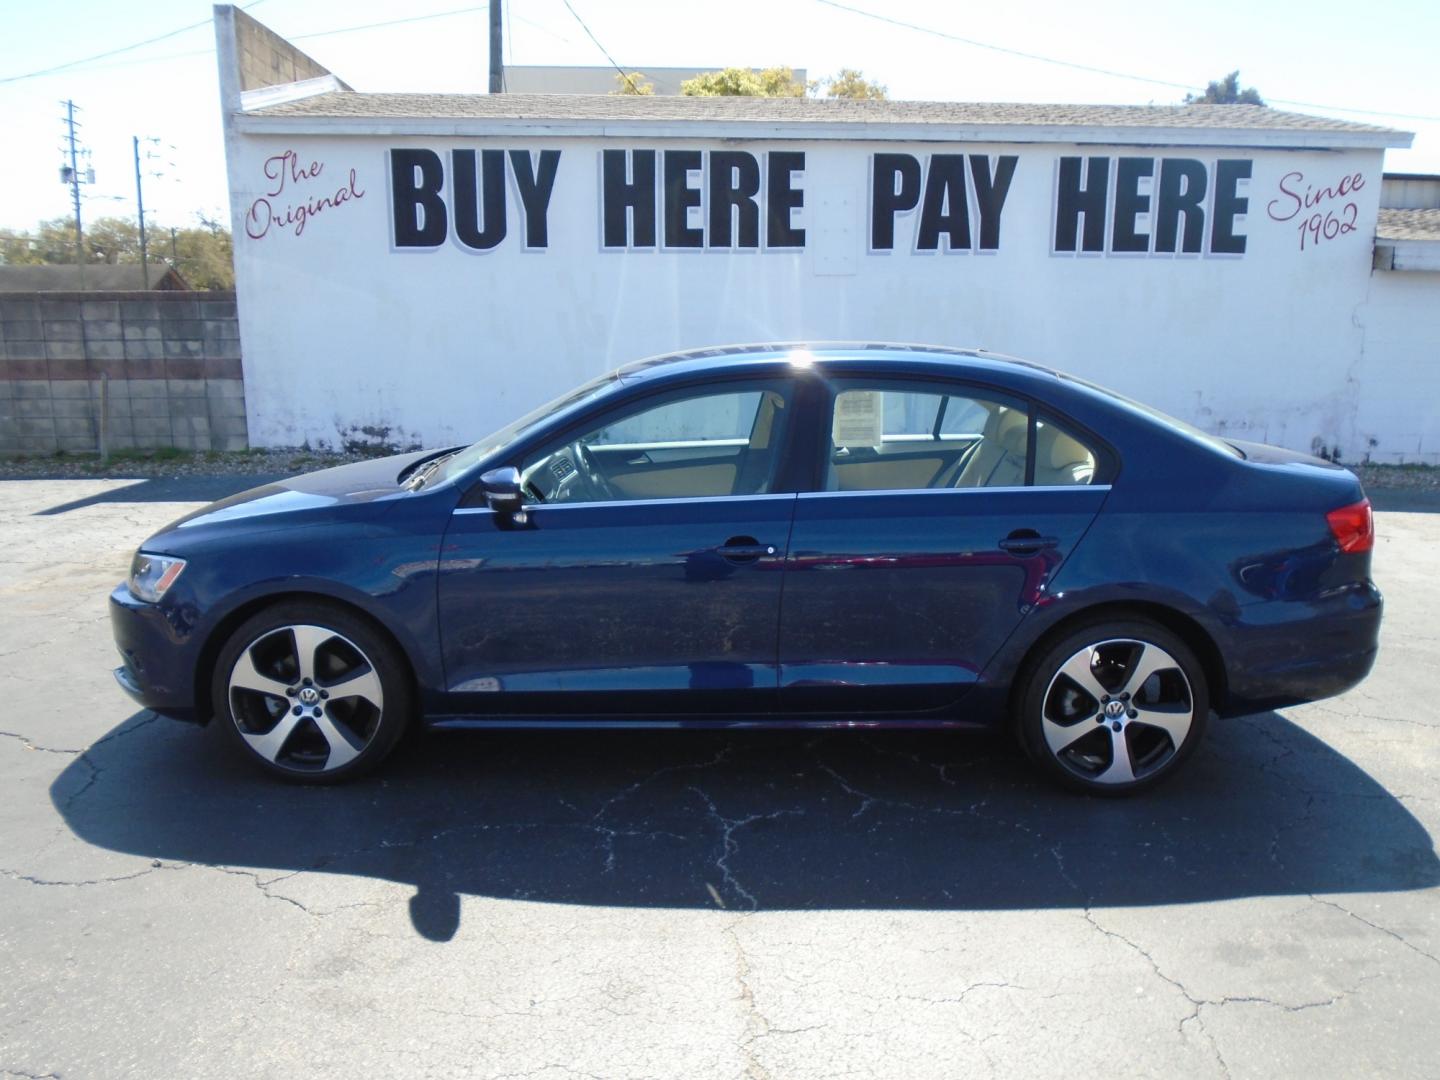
(267, 59)
(172, 361)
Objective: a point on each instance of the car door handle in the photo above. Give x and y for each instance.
(1027, 542)
(744, 549)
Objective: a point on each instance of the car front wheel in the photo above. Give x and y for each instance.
(311, 692)
(1114, 707)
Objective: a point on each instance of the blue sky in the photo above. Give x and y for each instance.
(1378, 57)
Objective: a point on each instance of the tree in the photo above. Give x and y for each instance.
(112, 240)
(51, 243)
(743, 82)
(202, 253)
(634, 84)
(851, 83)
(1226, 91)
(848, 83)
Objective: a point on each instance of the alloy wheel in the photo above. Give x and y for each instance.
(1117, 711)
(305, 698)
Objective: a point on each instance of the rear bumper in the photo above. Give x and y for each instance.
(1290, 652)
(157, 653)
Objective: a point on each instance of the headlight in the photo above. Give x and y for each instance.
(151, 575)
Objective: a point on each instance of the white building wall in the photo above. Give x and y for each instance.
(1398, 376)
(346, 338)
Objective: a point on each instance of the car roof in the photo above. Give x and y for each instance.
(906, 358)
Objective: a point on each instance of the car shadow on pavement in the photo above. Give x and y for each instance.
(750, 820)
(167, 489)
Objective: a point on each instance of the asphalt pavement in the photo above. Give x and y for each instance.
(781, 905)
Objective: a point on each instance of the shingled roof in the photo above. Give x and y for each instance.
(98, 277)
(1408, 225)
(633, 107)
(570, 111)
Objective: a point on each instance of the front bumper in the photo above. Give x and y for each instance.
(158, 653)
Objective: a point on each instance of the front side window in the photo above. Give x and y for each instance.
(700, 443)
(889, 437)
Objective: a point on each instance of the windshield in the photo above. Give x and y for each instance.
(477, 452)
(1155, 414)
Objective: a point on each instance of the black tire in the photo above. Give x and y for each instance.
(297, 721)
(1097, 733)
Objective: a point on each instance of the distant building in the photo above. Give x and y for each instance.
(95, 277)
(1407, 236)
(546, 79)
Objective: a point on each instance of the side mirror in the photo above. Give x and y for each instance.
(502, 489)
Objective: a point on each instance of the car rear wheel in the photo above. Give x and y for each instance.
(311, 692)
(1114, 707)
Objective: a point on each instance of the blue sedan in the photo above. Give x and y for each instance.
(783, 536)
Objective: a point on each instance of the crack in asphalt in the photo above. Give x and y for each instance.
(723, 755)
(82, 756)
(1327, 709)
(29, 744)
(957, 999)
(90, 781)
(1376, 926)
(756, 1024)
(17, 875)
(1199, 1003)
(123, 730)
(263, 884)
(729, 845)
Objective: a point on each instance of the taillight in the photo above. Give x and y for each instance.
(1353, 526)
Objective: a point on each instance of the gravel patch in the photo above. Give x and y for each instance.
(1398, 477)
(168, 463)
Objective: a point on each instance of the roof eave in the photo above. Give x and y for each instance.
(1410, 254)
(259, 123)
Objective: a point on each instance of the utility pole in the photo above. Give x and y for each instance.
(140, 207)
(75, 187)
(497, 50)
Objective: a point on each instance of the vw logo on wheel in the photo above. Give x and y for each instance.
(1114, 709)
(309, 696)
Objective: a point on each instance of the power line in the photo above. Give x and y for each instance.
(930, 30)
(628, 81)
(1359, 112)
(1000, 48)
(291, 37)
(390, 22)
(117, 52)
(509, 48)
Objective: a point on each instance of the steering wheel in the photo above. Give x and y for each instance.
(594, 479)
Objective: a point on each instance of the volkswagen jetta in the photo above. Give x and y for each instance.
(824, 536)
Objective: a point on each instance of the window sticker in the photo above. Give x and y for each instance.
(859, 419)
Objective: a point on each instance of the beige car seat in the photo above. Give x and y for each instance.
(1061, 461)
(999, 460)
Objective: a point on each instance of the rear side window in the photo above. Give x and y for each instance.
(1062, 459)
(888, 436)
